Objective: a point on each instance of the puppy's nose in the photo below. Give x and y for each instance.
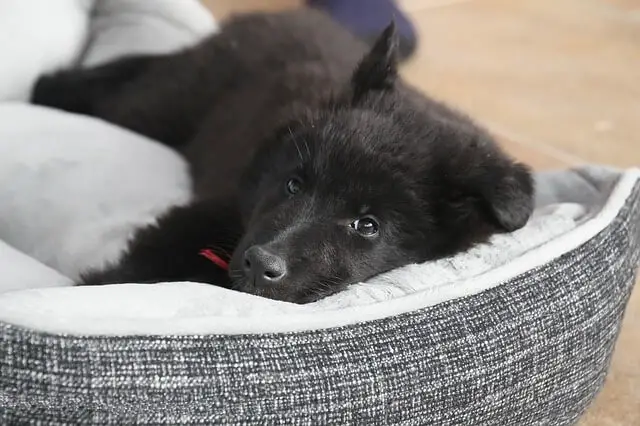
(263, 266)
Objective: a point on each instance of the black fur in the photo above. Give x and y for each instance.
(293, 95)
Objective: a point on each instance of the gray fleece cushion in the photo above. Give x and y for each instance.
(532, 349)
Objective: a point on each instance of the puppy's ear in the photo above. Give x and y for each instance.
(378, 70)
(508, 195)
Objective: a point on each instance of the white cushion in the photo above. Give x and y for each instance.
(74, 188)
(38, 36)
(125, 27)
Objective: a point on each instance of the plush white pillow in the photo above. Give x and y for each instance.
(125, 27)
(37, 36)
(74, 188)
(21, 272)
(40, 36)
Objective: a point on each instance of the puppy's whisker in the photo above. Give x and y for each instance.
(295, 142)
(236, 284)
(306, 145)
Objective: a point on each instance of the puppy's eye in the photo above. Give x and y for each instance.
(293, 186)
(366, 226)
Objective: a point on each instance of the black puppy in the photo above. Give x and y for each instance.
(314, 166)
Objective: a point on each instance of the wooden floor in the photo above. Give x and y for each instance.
(558, 82)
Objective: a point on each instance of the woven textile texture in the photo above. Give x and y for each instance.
(531, 351)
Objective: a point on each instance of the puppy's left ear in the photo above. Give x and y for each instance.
(508, 195)
(378, 70)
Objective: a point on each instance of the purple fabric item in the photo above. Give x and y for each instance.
(368, 18)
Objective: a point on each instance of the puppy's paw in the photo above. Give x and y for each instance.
(62, 90)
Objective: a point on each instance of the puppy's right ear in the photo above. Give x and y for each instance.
(378, 70)
(509, 197)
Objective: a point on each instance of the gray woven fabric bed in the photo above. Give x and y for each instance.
(533, 350)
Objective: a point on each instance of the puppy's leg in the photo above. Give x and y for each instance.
(82, 90)
(170, 250)
(136, 92)
(163, 97)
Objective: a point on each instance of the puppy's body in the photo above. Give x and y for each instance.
(301, 144)
(218, 101)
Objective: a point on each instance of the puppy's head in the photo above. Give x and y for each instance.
(380, 179)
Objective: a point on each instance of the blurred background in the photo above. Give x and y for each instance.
(557, 82)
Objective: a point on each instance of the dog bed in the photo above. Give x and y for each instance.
(525, 340)
(517, 331)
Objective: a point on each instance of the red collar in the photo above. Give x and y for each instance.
(220, 262)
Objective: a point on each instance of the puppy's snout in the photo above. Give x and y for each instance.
(264, 267)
